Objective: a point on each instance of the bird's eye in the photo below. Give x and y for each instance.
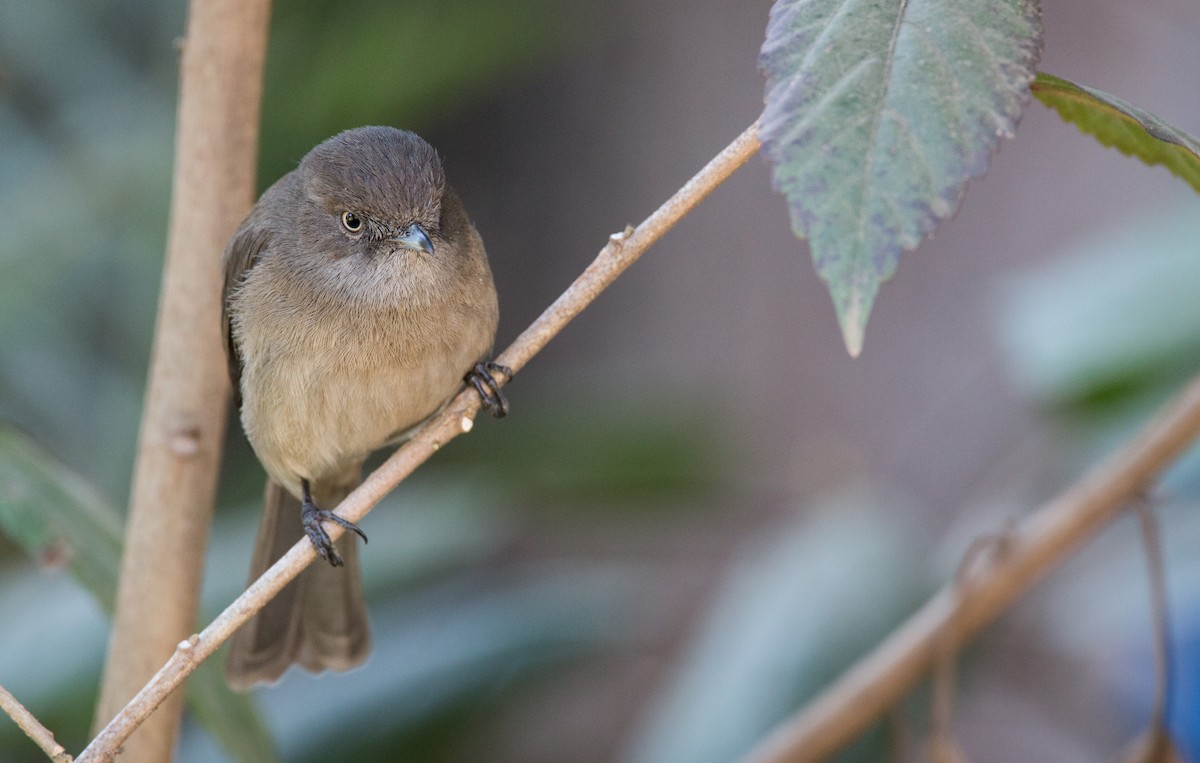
(352, 222)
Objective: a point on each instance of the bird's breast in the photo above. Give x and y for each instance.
(322, 388)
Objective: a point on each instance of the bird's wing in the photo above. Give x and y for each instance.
(241, 255)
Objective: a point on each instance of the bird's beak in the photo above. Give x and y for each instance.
(415, 238)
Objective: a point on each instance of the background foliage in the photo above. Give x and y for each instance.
(699, 503)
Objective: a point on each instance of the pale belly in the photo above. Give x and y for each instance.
(311, 419)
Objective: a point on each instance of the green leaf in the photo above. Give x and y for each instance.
(1109, 316)
(877, 114)
(1119, 125)
(59, 519)
(56, 517)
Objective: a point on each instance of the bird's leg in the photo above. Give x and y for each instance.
(312, 517)
(480, 377)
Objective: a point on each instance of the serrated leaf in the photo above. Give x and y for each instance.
(1117, 124)
(59, 519)
(877, 114)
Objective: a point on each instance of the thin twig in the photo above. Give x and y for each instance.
(1154, 745)
(1039, 544)
(620, 252)
(1160, 612)
(32, 727)
(943, 745)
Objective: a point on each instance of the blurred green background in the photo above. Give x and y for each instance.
(701, 510)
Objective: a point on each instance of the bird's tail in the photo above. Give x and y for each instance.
(318, 621)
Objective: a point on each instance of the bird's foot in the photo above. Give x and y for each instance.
(312, 517)
(481, 378)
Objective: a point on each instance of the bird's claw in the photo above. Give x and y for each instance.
(312, 517)
(481, 378)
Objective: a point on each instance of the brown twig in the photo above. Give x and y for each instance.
(943, 745)
(1040, 543)
(1154, 745)
(621, 251)
(183, 422)
(1160, 611)
(32, 727)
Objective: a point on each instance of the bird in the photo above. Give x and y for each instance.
(358, 300)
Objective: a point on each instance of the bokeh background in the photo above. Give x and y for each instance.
(701, 509)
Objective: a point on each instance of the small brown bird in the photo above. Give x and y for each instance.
(357, 295)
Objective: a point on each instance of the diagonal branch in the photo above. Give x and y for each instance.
(33, 727)
(620, 252)
(1039, 544)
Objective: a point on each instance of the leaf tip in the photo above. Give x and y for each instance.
(852, 301)
(853, 320)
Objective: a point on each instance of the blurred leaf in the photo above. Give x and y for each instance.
(1108, 330)
(454, 644)
(797, 606)
(70, 76)
(1112, 315)
(60, 520)
(56, 517)
(603, 453)
(877, 114)
(331, 67)
(1119, 125)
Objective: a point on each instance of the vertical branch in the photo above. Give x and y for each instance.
(183, 421)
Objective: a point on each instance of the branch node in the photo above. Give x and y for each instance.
(620, 236)
(983, 552)
(189, 643)
(185, 443)
(466, 423)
